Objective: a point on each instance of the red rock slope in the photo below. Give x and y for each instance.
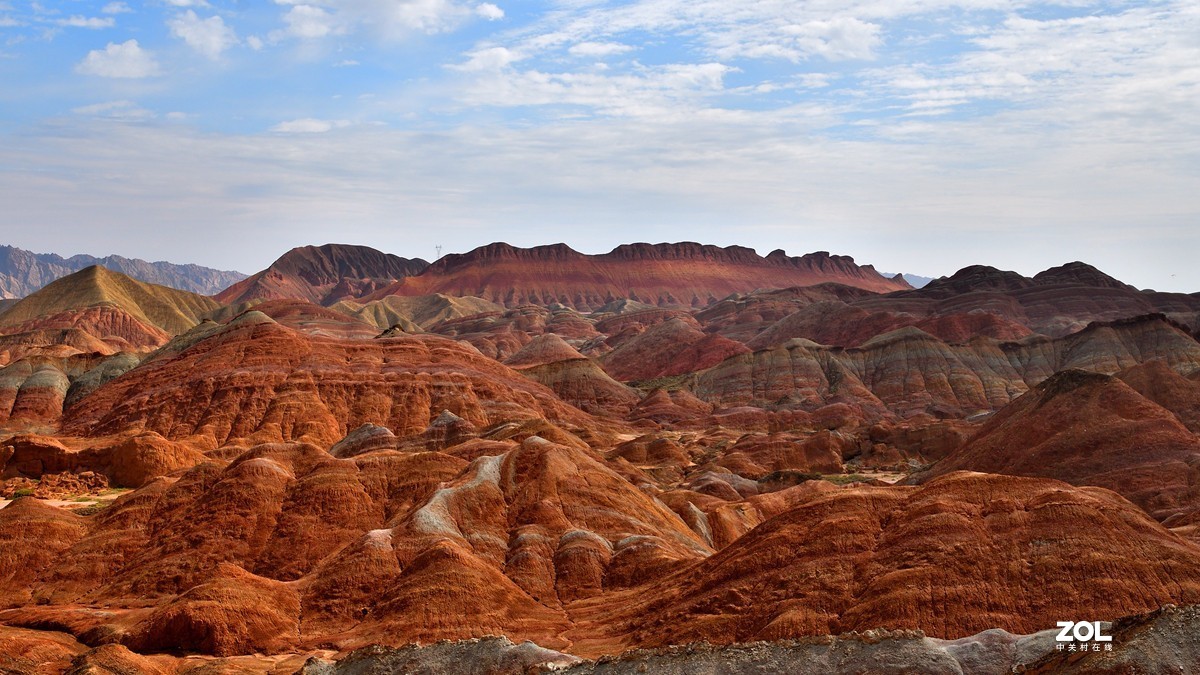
(964, 553)
(256, 380)
(1090, 429)
(323, 275)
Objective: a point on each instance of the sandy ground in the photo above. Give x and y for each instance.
(76, 502)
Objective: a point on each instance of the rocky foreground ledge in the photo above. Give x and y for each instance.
(1164, 641)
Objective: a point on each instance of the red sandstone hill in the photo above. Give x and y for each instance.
(964, 553)
(684, 274)
(286, 548)
(1091, 429)
(977, 301)
(910, 371)
(1054, 302)
(152, 306)
(256, 380)
(1158, 382)
(322, 275)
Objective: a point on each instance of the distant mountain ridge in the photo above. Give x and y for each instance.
(23, 272)
(683, 274)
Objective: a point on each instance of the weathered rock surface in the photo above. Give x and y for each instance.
(327, 463)
(1162, 641)
(129, 462)
(1158, 642)
(32, 391)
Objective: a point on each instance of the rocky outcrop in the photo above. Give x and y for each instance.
(843, 325)
(128, 462)
(394, 546)
(742, 316)
(233, 613)
(1055, 302)
(502, 334)
(32, 392)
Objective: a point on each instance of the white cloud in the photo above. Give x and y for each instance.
(1134, 62)
(671, 91)
(397, 17)
(255, 42)
(123, 110)
(309, 125)
(208, 36)
(489, 11)
(599, 49)
(385, 19)
(76, 21)
(309, 21)
(836, 39)
(187, 3)
(116, 8)
(492, 58)
(125, 60)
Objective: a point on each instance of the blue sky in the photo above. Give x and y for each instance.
(917, 135)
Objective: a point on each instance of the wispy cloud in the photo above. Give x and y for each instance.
(384, 19)
(76, 21)
(120, 110)
(309, 125)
